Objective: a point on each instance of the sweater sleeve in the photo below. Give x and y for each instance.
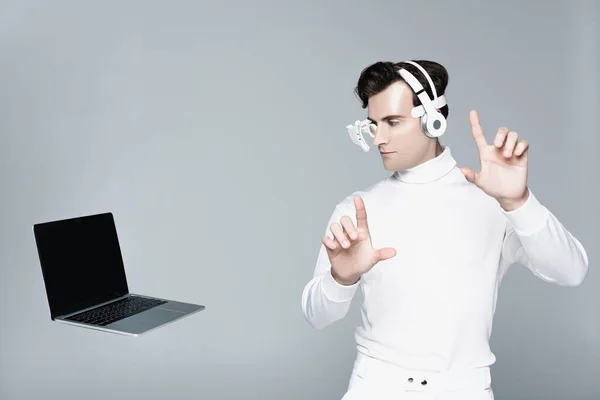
(536, 239)
(324, 300)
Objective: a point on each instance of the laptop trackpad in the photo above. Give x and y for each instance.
(147, 320)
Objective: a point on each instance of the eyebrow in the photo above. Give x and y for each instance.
(387, 118)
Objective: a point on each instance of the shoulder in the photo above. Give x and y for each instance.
(371, 194)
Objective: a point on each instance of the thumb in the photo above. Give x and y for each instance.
(470, 174)
(384, 254)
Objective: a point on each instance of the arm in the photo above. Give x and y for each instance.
(533, 237)
(324, 300)
(536, 239)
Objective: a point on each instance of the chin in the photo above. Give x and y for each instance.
(388, 165)
(395, 165)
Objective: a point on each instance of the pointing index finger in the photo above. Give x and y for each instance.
(361, 213)
(477, 130)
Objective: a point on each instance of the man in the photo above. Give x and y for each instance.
(429, 246)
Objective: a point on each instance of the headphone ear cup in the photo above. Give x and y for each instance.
(436, 126)
(433, 127)
(424, 125)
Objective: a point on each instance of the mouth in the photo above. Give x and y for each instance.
(385, 153)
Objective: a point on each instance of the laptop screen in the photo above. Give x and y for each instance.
(81, 262)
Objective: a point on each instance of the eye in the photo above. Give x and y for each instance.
(393, 123)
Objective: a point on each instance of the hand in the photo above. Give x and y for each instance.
(503, 172)
(350, 251)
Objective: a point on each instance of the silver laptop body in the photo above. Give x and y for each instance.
(86, 286)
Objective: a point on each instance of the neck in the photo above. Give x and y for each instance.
(433, 152)
(438, 148)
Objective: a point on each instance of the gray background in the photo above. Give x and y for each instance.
(216, 134)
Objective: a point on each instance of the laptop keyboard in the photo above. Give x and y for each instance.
(116, 311)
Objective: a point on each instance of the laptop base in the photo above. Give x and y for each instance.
(138, 324)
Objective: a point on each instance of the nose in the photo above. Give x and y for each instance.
(381, 136)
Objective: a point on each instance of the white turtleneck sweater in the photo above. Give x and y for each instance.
(431, 306)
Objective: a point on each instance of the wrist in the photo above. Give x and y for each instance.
(344, 280)
(513, 204)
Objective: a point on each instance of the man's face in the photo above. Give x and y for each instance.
(399, 137)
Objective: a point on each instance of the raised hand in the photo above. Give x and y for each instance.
(503, 173)
(351, 252)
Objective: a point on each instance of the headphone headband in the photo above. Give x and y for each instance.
(415, 84)
(433, 122)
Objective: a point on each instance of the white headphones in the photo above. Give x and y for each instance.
(433, 122)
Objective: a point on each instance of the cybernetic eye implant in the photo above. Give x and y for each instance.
(358, 130)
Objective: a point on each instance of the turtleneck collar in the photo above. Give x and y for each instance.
(428, 171)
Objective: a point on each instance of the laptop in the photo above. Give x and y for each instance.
(86, 286)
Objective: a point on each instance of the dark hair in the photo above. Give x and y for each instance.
(379, 76)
